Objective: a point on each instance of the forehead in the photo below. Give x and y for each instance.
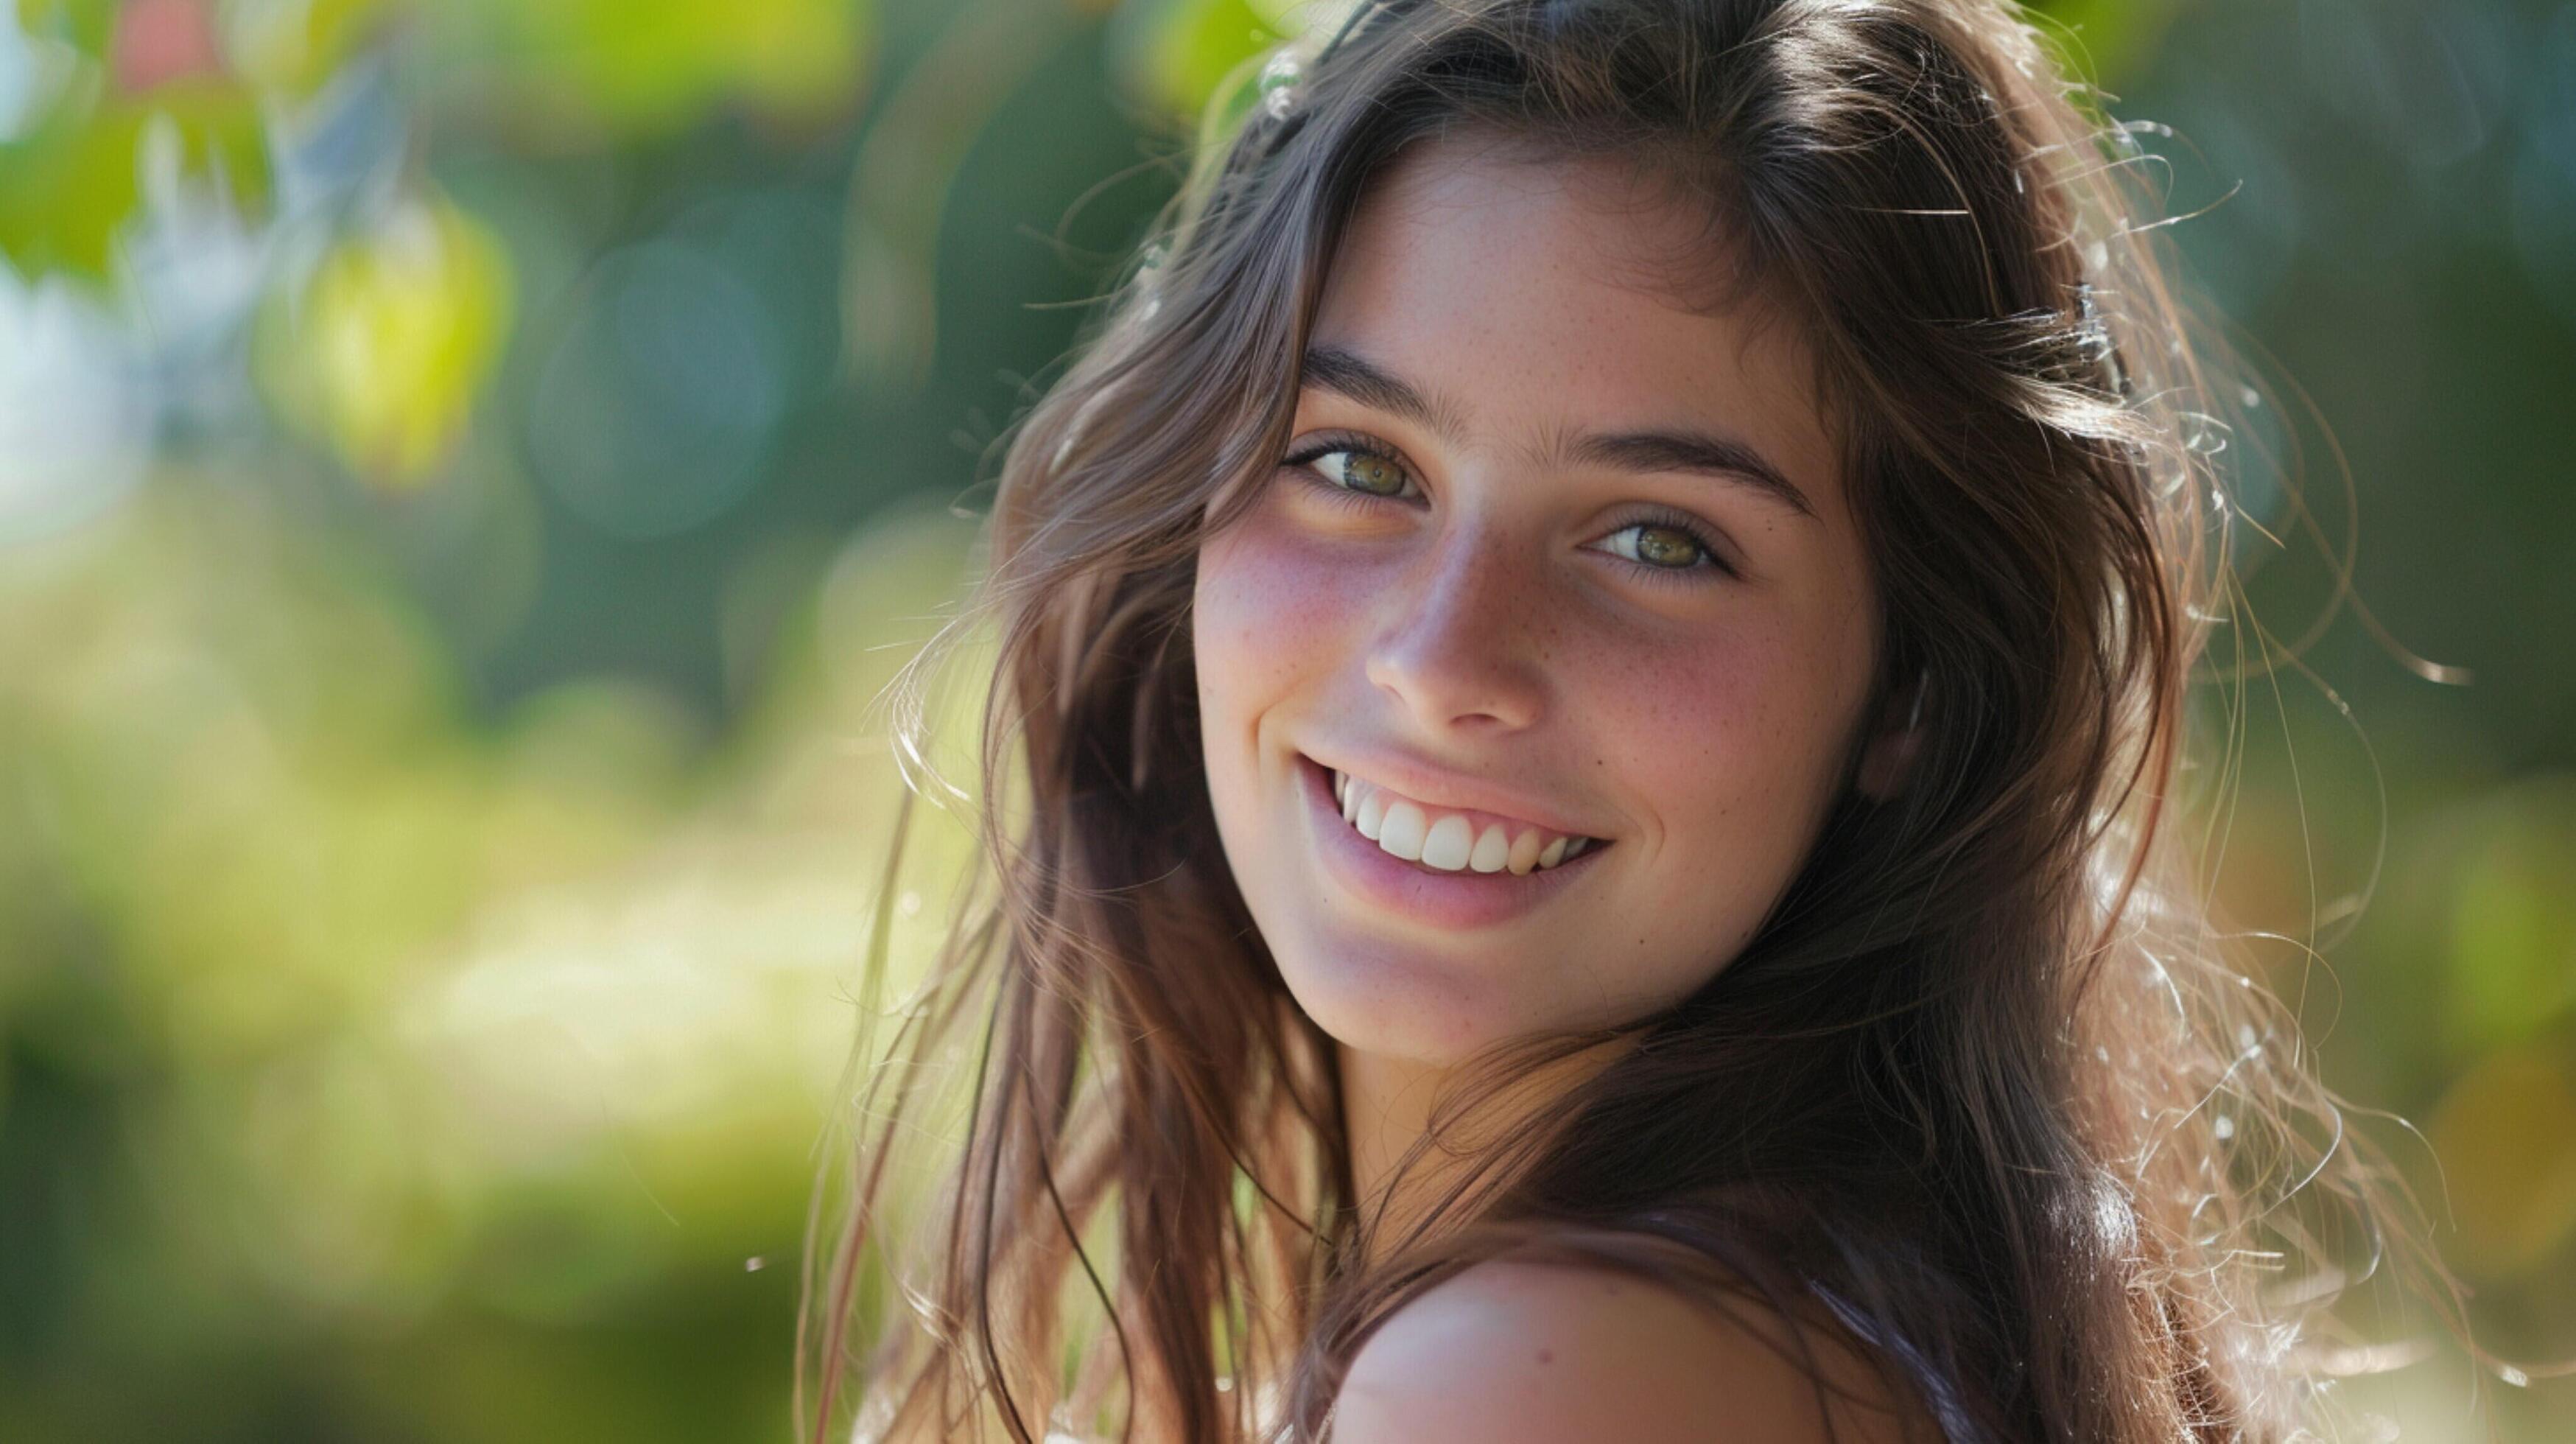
(1553, 293)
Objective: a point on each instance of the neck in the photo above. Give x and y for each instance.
(1386, 1106)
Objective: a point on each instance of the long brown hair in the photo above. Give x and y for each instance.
(1988, 1074)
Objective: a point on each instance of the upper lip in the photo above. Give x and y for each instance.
(1438, 787)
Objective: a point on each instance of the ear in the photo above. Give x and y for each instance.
(1888, 758)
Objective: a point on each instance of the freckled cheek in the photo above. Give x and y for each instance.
(1712, 735)
(1268, 613)
(1269, 622)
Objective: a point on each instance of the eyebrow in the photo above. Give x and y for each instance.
(1354, 377)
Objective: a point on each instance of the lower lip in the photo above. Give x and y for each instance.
(1462, 899)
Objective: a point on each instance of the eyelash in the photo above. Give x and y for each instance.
(1303, 458)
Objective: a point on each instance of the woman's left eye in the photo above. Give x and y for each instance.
(1664, 546)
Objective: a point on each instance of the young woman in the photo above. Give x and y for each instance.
(1581, 788)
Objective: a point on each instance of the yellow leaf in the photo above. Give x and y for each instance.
(399, 330)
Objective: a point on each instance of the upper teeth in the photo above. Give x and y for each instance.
(1447, 840)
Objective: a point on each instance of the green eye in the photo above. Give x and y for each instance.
(1660, 546)
(1363, 471)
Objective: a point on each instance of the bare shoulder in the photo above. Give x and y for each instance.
(1510, 1352)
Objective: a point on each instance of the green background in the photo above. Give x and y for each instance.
(468, 468)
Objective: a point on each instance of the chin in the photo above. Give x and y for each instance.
(1380, 997)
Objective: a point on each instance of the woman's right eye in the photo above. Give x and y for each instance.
(1344, 465)
(1363, 471)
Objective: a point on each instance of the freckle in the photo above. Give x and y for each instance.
(1547, 1356)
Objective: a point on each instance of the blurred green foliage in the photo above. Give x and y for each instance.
(468, 468)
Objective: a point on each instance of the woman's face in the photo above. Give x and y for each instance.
(1550, 557)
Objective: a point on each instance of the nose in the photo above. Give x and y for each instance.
(1457, 638)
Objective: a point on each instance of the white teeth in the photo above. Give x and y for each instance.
(1450, 842)
(1403, 830)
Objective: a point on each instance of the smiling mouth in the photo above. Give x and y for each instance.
(1447, 839)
